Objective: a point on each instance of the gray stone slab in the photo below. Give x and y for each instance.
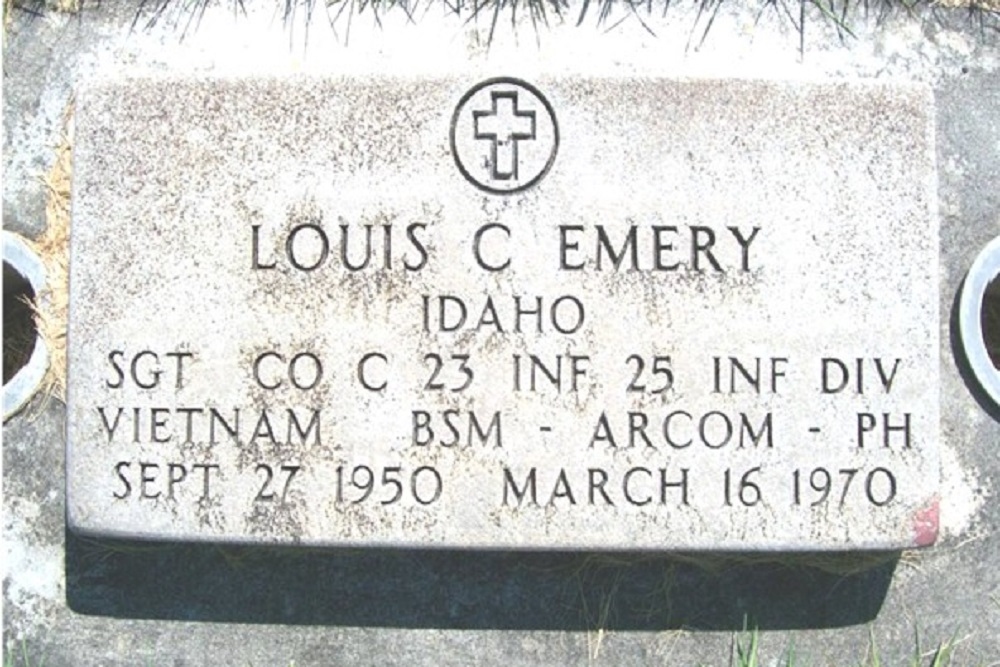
(736, 285)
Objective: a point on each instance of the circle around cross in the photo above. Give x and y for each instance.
(504, 135)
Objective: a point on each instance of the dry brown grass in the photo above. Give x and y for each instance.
(51, 306)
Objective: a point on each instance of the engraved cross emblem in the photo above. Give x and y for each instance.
(504, 125)
(504, 135)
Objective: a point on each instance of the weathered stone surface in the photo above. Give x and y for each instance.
(669, 230)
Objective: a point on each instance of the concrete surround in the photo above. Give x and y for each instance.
(72, 599)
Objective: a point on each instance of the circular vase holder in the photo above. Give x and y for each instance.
(985, 270)
(25, 382)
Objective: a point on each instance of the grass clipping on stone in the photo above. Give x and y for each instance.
(52, 246)
(986, 5)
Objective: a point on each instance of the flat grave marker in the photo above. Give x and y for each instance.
(561, 313)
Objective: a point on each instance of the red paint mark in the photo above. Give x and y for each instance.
(925, 524)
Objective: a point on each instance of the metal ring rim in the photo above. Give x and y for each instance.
(19, 390)
(983, 271)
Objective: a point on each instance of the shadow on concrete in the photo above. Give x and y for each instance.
(472, 589)
(962, 361)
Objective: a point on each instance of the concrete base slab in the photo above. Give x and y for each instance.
(69, 601)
